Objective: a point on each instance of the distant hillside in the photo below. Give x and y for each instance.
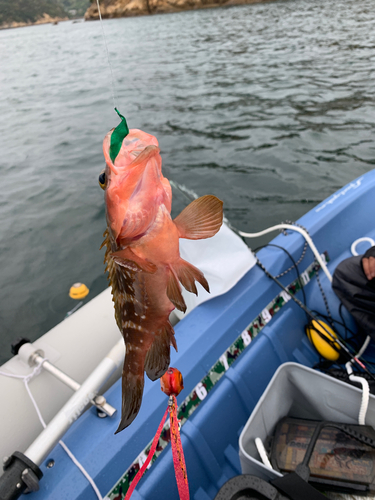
(125, 8)
(24, 12)
(75, 8)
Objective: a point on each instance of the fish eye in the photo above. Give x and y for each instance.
(102, 179)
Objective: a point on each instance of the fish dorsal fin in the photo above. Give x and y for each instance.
(188, 275)
(174, 291)
(201, 219)
(128, 259)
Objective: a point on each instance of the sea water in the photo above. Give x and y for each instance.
(270, 106)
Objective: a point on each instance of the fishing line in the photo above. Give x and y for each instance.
(114, 97)
(188, 193)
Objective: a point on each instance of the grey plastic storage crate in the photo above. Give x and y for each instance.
(301, 392)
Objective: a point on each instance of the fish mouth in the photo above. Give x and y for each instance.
(144, 154)
(133, 147)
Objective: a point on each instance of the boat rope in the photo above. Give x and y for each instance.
(298, 230)
(26, 379)
(324, 298)
(296, 264)
(317, 272)
(82, 469)
(365, 392)
(214, 374)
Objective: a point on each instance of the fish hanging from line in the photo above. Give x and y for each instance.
(142, 255)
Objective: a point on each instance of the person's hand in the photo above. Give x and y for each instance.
(369, 267)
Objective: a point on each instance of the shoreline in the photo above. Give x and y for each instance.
(136, 8)
(46, 19)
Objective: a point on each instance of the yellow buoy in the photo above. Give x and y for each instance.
(78, 291)
(317, 332)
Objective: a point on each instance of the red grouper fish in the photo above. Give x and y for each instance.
(143, 260)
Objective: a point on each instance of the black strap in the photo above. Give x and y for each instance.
(296, 488)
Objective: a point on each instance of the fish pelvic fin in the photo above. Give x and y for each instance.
(158, 356)
(202, 218)
(188, 275)
(127, 258)
(174, 290)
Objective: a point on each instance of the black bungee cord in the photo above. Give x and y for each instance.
(312, 316)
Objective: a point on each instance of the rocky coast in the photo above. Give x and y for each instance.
(44, 19)
(127, 8)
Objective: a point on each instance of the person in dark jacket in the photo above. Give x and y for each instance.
(354, 284)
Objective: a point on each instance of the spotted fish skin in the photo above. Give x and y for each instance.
(139, 330)
(143, 261)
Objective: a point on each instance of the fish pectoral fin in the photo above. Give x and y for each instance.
(188, 275)
(129, 264)
(201, 219)
(158, 356)
(130, 260)
(174, 291)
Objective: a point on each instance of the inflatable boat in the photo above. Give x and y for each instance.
(229, 347)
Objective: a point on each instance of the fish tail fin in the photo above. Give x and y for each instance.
(132, 387)
(188, 275)
(201, 219)
(158, 356)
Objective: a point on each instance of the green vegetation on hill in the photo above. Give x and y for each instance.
(79, 6)
(29, 11)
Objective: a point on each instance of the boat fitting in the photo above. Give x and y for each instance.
(21, 475)
(33, 357)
